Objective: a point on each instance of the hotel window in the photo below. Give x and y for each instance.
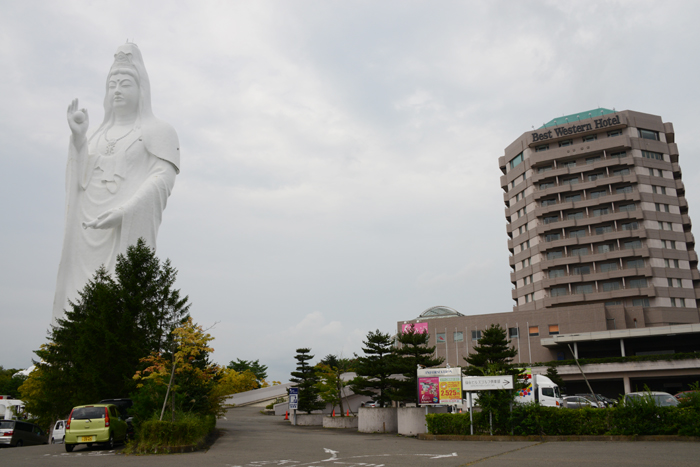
(578, 233)
(550, 219)
(634, 263)
(553, 329)
(601, 211)
(624, 189)
(597, 194)
(441, 337)
(614, 133)
(669, 226)
(627, 208)
(583, 288)
(554, 254)
(580, 251)
(659, 173)
(632, 244)
(476, 335)
(526, 262)
(593, 160)
(558, 291)
(640, 302)
(603, 229)
(560, 272)
(670, 282)
(678, 302)
(568, 142)
(640, 283)
(581, 270)
(534, 331)
(615, 302)
(573, 198)
(542, 147)
(649, 134)
(548, 202)
(458, 336)
(571, 181)
(544, 169)
(671, 263)
(618, 155)
(653, 155)
(568, 165)
(527, 298)
(630, 226)
(658, 189)
(607, 267)
(610, 286)
(513, 332)
(516, 161)
(590, 138)
(575, 215)
(545, 185)
(624, 171)
(594, 177)
(552, 237)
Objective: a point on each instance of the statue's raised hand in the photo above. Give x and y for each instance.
(78, 120)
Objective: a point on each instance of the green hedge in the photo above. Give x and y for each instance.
(638, 419)
(187, 430)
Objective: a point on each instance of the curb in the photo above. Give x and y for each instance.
(618, 438)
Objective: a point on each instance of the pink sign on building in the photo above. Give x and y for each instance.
(419, 327)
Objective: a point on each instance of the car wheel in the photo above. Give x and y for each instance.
(110, 442)
(63, 440)
(19, 443)
(89, 445)
(69, 447)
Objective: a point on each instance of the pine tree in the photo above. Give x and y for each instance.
(375, 368)
(94, 351)
(260, 371)
(413, 351)
(491, 352)
(306, 380)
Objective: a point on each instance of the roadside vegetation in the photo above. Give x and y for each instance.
(131, 335)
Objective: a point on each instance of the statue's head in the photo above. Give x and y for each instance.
(128, 87)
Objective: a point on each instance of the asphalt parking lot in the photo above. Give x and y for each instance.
(250, 439)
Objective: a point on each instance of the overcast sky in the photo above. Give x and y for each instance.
(339, 159)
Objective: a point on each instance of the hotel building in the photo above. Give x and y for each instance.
(603, 260)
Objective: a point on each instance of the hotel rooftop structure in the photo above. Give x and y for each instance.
(603, 261)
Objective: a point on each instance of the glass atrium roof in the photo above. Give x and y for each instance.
(599, 112)
(440, 312)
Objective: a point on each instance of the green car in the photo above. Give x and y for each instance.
(90, 424)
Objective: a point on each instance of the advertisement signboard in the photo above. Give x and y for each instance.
(439, 386)
(419, 327)
(486, 383)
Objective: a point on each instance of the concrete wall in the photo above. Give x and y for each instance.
(411, 420)
(313, 419)
(377, 420)
(340, 422)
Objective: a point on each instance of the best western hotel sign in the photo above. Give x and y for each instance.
(573, 129)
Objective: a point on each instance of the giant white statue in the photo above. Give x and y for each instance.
(117, 180)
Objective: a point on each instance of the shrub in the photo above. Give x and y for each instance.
(187, 429)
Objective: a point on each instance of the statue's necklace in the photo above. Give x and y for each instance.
(111, 143)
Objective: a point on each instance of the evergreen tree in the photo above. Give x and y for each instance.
(375, 368)
(493, 356)
(413, 351)
(260, 371)
(94, 351)
(306, 380)
(493, 352)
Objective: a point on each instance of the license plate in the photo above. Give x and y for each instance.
(87, 439)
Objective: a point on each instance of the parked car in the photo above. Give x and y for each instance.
(123, 406)
(59, 432)
(18, 433)
(98, 423)
(685, 395)
(372, 404)
(662, 399)
(599, 400)
(578, 402)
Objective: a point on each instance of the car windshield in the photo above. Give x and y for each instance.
(84, 413)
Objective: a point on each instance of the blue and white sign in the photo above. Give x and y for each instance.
(293, 398)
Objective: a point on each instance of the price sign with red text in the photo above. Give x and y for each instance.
(450, 390)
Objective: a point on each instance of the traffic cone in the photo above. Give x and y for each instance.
(286, 415)
(348, 414)
(333, 414)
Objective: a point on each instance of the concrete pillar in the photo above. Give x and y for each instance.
(575, 350)
(626, 382)
(622, 347)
